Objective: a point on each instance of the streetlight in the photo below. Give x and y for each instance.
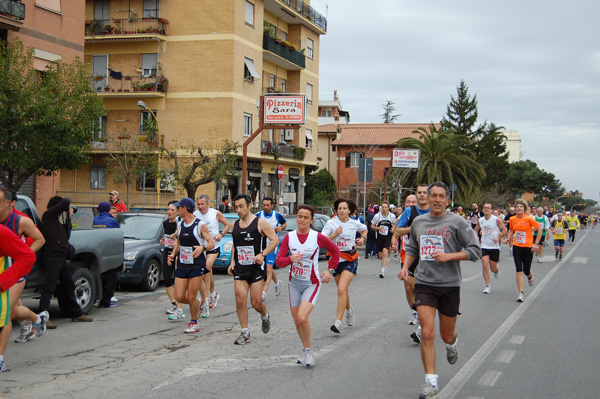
(562, 196)
(143, 106)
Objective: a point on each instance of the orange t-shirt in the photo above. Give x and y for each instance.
(522, 230)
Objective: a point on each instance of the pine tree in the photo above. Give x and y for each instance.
(388, 112)
(461, 113)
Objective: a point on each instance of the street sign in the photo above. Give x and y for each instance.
(368, 175)
(280, 172)
(284, 109)
(453, 187)
(405, 158)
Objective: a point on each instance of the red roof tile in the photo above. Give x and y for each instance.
(376, 133)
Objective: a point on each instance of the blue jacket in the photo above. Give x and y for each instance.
(105, 220)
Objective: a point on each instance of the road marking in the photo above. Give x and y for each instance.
(490, 378)
(506, 356)
(516, 339)
(476, 276)
(580, 259)
(234, 364)
(474, 363)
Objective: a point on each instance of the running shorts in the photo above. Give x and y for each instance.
(494, 254)
(303, 293)
(251, 274)
(445, 299)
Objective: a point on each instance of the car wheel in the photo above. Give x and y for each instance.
(85, 291)
(151, 275)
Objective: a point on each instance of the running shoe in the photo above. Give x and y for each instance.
(278, 288)
(214, 300)
(452, 354)
(530, 280)
(309, 359)
(429, 392)
(114, 299)
(26, 332)
(560, 257)
(302, 357)
(521, 297)
(350, 316)
(414, 319)
(264, 296)
(2, 366)
(337, 327)
(510, 252)
(192, 328)
(416, 335)
(487, 290)
(40, 328)
(178, 315)
(381, 275)
(266, 324)
(204, 310)
(556, 255)
(540, 260)
(172, 309)
(497, 274)
(243, 339)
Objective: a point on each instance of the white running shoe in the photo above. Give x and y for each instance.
(278, 288)
(204, 310)
(521, 297)
(192, 328)
(302, 357)
(264, 296)
(416, 335)
(337, 327)
(178, 315)
(309, 358)
(414, 319)
(530, 281)
(487, 290)
(172, 309)
(350, 316)
(214, 300)
(497, 274)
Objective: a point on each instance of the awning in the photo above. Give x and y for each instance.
(251, 68)
(309, 135)
(254, 174)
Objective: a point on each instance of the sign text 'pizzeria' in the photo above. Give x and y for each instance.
(284, 109)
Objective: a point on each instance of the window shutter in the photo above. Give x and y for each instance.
(348, 159)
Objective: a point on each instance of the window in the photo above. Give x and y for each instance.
(98, 177)
(283, 85)
(309, 138)
(147, 181)
(53, 5)
(282, 136)
(145, 116)
(309, 48)
(352, 159)
(99, 131)
(250, 72)
(247, 125)
(326, 113)
(271, 135)
(289, 134)
(309, 93)
(150, 9)
(283, 36)
(249, 13)
(149, 64)
(271, 80)
(101, 9)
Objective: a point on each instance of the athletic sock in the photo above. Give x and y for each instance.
(431, 379)
(452, 346)
(39, 320)
(245, 330)
(265, 318)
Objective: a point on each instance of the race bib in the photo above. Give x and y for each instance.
(559, 230)
(245, 255)
(486, 230)
(169, 242)
(404, 240)
(302, 270)
(520, 237)
(345, 243)
(573, 224)
(429, 245)
(185, 255)
(384, 230)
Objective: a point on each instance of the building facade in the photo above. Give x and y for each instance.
(331, 115)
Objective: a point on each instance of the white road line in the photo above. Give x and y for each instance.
(506, 356)
(516, 339)
(466, 372)
(580, 259)
(490, 378)
(233, 364)
(476, 276)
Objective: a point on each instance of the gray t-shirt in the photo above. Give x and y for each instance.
(456, 235)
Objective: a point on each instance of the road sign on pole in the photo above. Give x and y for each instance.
(280, 172)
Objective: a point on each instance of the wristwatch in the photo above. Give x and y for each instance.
(331, 271)
(263, 254)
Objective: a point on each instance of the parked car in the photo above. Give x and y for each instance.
(143, 252)
(96, 251)
(224, 259)
(318, 224)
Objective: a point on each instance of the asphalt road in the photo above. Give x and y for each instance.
(545, 347)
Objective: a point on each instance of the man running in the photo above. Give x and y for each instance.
(491, 229)
(248, 264)
(545, 223)
(511, 213)
(441, 240)
(573, 222)
(403, 229)
(383, 224)
(474, 215)
(211, 217)
(559, 231)
(278, 223)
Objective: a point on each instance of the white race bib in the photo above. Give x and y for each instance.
(520, 237)
(245, 255)
(345, 243)
(404, 240)
(573, 224)
(429, 245)
(301, 270)
(185, 255)
(559, 230)
(384, 230)
(169, 242)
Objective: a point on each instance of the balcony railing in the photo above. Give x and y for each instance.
(284, 50)
(135, 26)
(130, 84)
(13, 9)
(138, 199)
(282, 150)
(307, 12)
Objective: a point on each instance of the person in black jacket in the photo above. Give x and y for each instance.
(224, 205)
(55, 259)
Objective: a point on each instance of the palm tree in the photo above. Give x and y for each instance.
(443, 158)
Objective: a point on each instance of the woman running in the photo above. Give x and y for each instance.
(305, 283)
(521, 235)
(342, 230)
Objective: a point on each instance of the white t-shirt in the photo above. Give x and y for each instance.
(386, 221)
(489, 231)
(347, 240)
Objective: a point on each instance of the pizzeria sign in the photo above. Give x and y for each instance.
(284, 109)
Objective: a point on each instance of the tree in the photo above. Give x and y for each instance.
(388, 112)
(443, 158)
(461, 113)
(201, 164)
(46, 118)
(320, 188)
(489, 147)
(526, 176)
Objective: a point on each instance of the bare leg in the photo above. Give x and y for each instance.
(486, 269)
(300, 315)
(343, 282)
(241, 289)
(427, 321)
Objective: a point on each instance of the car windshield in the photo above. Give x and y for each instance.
(231, 218)
(291, 223)
(139, 227)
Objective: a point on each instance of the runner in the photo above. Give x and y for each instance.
(248, 264)
(492, 230)
(521, 235)
(278, 223)
(511, 213)
(305, 283)
(193, 241)
(460, 212)
(583, 220)
(403, 229)
(545, 223)
(342, 230)
(559, 230)
(441, 240)
(175, 312)
(573, 221)
(383, 224)
(212, 218)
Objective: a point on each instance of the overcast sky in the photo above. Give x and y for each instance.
(534, 66)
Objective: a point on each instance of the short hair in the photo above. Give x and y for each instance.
(522, 203)
(14, 196)
(385, 202)
(440, 185)
(245, 197)
(422, 185)
(172, 202)
(308, 208)
(539, 208)
(225, 197)
(486, 203)
(268, 199)
(351, 205)
(205, 197)
(7, 194)
(54, 201)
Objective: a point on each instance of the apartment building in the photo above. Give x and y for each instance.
(201, 67)
(331, 115)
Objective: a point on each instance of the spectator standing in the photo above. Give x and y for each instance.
(224, 205)
(105, 220)
(116, 202)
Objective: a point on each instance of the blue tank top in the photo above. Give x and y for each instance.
(12, 222)
(187, 240)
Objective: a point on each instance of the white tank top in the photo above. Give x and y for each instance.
(210, 219)
(489, 231)
(305, 272)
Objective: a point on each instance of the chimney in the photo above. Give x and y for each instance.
(335, 97)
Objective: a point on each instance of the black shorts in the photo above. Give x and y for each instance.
(214, 251)
(251, 274)
(445, 299)
(190, 271)
(384, 242)
(168, 271)
(541, 239)
(494, 254)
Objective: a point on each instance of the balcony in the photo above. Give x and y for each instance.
(282, 53)
(116, 29)
(12, 14)
(295, 11)
(130, 86)
(282, 150)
